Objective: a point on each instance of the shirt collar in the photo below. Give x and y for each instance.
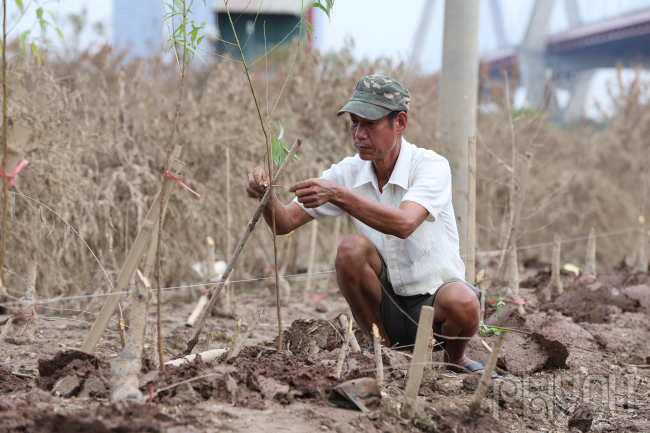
(400, 175)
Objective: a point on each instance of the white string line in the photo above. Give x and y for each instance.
(126, 292)
(564, 241)
(545, 244)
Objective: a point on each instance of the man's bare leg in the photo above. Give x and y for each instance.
(456, 308)
(358, 267)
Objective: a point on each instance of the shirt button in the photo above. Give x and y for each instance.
(388, 236)
(392, 266)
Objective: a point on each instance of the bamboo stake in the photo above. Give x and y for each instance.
(312, 260)
(480, 284)
(590, 260)
(378, 361)
(240, 245)
(131, 263)
(127, 365)
(471, 209)
(354, 344)
(484, 383)
(335, 244)
(247, 334)
(233, 343)
(556, 282)
(420, 355)
(344, 351)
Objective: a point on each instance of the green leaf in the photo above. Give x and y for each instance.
(178, 4)
(19, 3)
(194, 53)
(37, 54)
(53, 17)
(500, 304)
(281, 134)
(198, 42)
(58, 31)
(23, 39)
(275, 150)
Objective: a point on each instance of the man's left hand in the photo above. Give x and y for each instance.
(313, 193)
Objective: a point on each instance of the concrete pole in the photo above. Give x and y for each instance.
(458, 99)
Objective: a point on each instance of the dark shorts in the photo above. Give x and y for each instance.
(394, 310)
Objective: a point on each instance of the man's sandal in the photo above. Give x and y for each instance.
(474, 367)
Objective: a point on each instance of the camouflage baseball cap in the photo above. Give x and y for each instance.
(376, 96)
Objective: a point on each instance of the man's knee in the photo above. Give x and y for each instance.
(352, 251)
(461, 303)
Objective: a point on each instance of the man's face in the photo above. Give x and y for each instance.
(375, 139)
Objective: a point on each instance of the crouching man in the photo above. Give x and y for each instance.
(406, 254)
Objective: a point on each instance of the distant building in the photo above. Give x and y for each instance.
(277, 18)
(139, 26)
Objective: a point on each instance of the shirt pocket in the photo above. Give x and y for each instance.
(419, 243)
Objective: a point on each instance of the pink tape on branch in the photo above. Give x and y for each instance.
(28, 318)
(11, 176)
(171, 176)
(280, 186)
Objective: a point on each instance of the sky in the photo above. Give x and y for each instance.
(378, 27)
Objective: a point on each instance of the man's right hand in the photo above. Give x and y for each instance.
(257, 183)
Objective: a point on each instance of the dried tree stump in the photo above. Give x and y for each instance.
(354, 344)
(344, 351)
(127, 365)
(420, 356)
(247, 334)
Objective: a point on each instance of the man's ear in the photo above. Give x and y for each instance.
(400, 122)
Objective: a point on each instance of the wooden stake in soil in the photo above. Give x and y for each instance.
(484, 383)
(556, 282)
(480, 284)
(471, 210)
(344, 351)
(240, 245)
(131, 262)
(126, 367)
(312, 260)
(420, 355)
(378, 361)
(590, 260)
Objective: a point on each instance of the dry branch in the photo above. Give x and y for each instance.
(233, 343)
(247, 334)
(344, 350)
(240, 245)
(378, 361)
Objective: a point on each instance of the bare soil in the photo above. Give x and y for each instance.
(557, 361)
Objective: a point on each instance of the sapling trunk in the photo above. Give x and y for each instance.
(126, 367)
(162, 204)
(590, 260)
(556, 282)
(484, 383)
(5, 142)
(378, 361)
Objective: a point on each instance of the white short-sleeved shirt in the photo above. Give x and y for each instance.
(420, 263)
